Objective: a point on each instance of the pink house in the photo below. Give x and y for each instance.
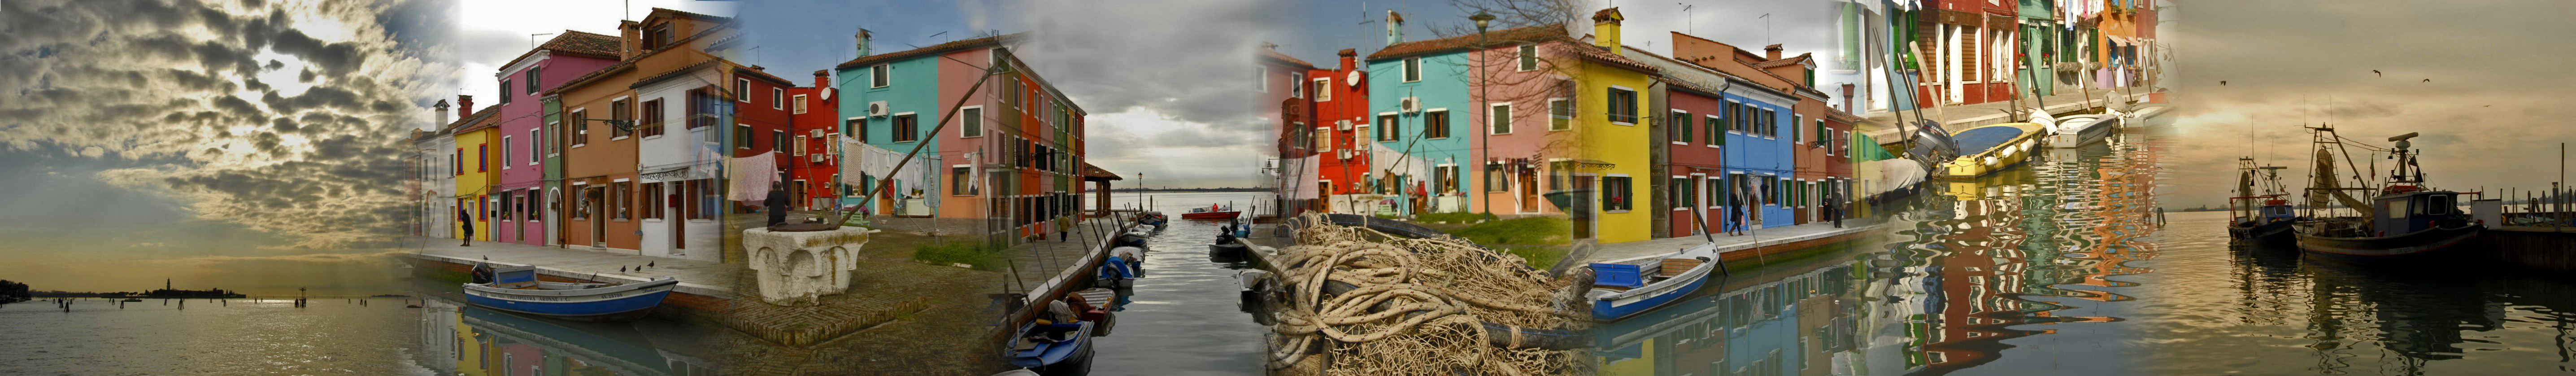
(525, 156)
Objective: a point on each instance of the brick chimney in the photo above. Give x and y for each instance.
(441, 110)
(1605, 28)
(1771, 52)
(1350, 59)
(464, 106)
(630, 39)
(822, 78)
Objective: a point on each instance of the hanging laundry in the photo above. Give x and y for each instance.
(752, 176)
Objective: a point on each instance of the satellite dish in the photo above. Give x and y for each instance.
(1353, 78)
(827, 93)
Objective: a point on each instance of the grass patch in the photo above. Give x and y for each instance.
(1532, 230)
(1539, 257)
(983, 257)
(1453, 218)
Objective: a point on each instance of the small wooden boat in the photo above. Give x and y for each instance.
(2404, 222)
(1991, 148)
(2259, 214)
(2078, 130)
(1134, 237)
(1151, 218)
(1115, 272)
(516, 289)
(1053, 348)
(1623, 290)
(1211, 212)
(1227, 247)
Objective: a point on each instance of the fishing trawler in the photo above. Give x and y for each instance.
(2405, 220)
(2260, 214)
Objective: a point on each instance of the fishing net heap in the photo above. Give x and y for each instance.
(1413, 306)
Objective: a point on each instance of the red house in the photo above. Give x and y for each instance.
(761, 122)
(814, 118)
(1341, 108)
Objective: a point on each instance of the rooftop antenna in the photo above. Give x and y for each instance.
(1692, 22)
(532, 39)
(755, 55)
(1766, 28)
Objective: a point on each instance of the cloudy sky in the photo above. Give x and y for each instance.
(1163, 80)
(2487, 116)
(491, 32)
(144, 139)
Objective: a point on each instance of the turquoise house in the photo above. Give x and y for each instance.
(1419, 108)
(892, 101)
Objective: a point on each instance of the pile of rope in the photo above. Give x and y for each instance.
(1358, 301)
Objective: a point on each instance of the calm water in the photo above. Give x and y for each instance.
(1183, 318)
(242, 337)
(457, 338)
(2033, 270)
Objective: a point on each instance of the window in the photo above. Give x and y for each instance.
(533, 141)
(532, 80)
(1261, 79)
(651, 200)
(659, 37)
(799, 146)
(1323, 138)
(457, 160)
(742, 136)
(505, 152)
(580, 127)
(621, 111)
(1499, 117)
(1435, 124)
(1770, 123)
(581, 207)
(617, 195)
(1795, 135)
(904, 128)
(1386, 127)
(1716, 129)
(1735, 118)
(702, 110)
(1323, 90)
(856, 127)
(1684, 196)
(800, 103)
(1444, 179)
(505, 91)
(1496, 178)
(482, 157)
(778, 99)
(1529, 57)
(970, 122)
(1412, 69)
(1623, 106)
(1614, 193)
(1295, 90)
(777, 140)
(1680, 127)
(1771, 190)
(957, 181)
(742, 90)
(877, 75)
(1716, 191)
(1560, 114)
(652, 124)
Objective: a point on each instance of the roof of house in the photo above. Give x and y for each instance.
(1089, 172)
(1462, 42)
(960, 44)
(1801, 58)
(1274, 55)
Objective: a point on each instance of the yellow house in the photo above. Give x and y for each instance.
(1611, 114)
(476, 170)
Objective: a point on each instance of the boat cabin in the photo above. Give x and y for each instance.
(2406, 209)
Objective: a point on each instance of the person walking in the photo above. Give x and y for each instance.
(1834, 205)
(776, 204)
(1735, 214)
(468, 218)
(1063, 228)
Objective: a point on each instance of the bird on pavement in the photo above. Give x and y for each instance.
(621, 268)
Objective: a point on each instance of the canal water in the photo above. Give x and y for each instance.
(1182, 317)
(236, 337)
(2032, 270)
(458, 338)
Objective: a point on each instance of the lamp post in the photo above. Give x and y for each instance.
(1484, 104)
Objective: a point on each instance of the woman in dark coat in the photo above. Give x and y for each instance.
(468, 218)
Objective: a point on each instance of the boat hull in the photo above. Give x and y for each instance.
(1071, 357)
(2431, 243)
(618, 303)
(2275, 233)
(1211, 215)
(1608, 310)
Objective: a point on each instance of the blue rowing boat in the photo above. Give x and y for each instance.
(1053, 349)
(516, 289)
(1623, 290)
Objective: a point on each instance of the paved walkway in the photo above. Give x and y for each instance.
(704, 277)
(1621, 253)
(1972, 115)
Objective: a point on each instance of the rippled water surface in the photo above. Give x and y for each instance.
(1182, 318)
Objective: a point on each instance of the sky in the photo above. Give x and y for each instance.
(491, 32)
(2486, 115)
(218, 141)
(1158, 77)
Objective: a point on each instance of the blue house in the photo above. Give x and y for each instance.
(1757, 153)
(1418, 97)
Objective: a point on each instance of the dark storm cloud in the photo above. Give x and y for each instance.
(160, 86)
(2492, 68)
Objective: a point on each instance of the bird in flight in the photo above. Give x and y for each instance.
(2428, 80)
(2222, 83)
(2376, 72)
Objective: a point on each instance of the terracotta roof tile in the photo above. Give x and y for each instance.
(935, 48)
(1284, 58)
(1522, 34)
(1090, 171)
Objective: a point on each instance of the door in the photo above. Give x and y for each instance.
(1583, 205)
(671, 213)
(595, 200)
(1529, 191)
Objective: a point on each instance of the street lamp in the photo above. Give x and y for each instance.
(1485, 105)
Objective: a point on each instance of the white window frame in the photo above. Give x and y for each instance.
(1718, 120)
(1605, 102)
(1631, 195)
(1426, 123)
(1552, 116)
(1676, 128)
(576, 116)
(1295, 87)
(740, 86)
(777, 98)
(961, 122)
(1262, 81)
(878, 75)
(534, 137)
(800, 104)
(1797, 133)
(1411, 69)
(630, 106)
(505, 153)
(1527, 55)
(1323, 88)
(1508, 125)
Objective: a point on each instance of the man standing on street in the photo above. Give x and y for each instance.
(776, 204)
(468, 218)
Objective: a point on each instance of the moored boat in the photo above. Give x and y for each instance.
(1052, 348)
(1211, 212)
(516, 289)
(2259, 214)
(1623, 290)
(2079, 130)
(2404, 221)
(1989, 148)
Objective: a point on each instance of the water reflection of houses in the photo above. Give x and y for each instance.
(464, 340)
(1792, 319)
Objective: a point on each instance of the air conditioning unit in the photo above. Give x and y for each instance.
(1410, 104)
(877, 109)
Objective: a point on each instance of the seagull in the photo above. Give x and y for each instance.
(2376, 71)
(2428, 80)
(2222, 83)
